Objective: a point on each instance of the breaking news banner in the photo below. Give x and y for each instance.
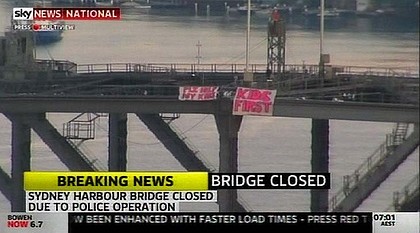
(147, 191)
(115, 181)
(269, 181)
(170, 181)
(62, 202)
(360, 222)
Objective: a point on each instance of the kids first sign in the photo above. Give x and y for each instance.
(251, 101)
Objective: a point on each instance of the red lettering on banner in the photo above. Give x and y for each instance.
(252, 106)
(259, 95)
(250, 101)
(188, 95)
(198, 93)
(240, 93)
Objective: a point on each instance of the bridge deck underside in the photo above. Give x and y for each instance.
(355, 88)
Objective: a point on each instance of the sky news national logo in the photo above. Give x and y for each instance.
(23, 13)
(87, 13)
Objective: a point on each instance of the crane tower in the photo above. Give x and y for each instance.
(276, 43)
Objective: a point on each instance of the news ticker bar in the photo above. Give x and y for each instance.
(170, 181)
(360, 222)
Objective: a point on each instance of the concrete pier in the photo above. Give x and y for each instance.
(320, 162)
(228, 128)
(21, 162)
(117, 139)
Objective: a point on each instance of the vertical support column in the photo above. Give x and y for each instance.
(228, 128)
(21, 162)
(320, 162)
(117, 140)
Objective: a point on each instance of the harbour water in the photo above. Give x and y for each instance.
(266, 144)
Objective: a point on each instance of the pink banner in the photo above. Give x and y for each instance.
(198, 93)
(251, 101)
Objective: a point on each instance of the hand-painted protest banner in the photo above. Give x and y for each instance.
(198, 93)
(251, 101)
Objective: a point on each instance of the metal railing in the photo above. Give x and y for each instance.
(92, 161)
(350, 182)
(80, 129)
(299, 80)
(240, 68)
(55, 65)
(405, 194)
